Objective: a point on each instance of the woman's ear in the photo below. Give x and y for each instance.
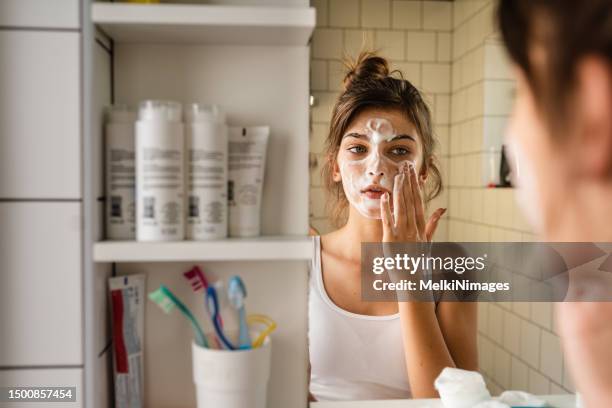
(425, 170)
(336, 176)
(593, 144)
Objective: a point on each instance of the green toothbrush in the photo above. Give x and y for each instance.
(166, 300)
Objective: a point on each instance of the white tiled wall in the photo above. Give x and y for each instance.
(414, 35)
(518, 347)
(452, 52)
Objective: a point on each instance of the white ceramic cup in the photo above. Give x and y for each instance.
(231, 379)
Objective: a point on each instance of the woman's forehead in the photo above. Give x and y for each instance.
(401, 124)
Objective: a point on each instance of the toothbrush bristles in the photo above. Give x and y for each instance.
(160, 299)
(196, 278)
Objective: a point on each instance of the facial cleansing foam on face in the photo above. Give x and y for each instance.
(120, 174)
(159, 172)
(206, 144)
(247, 159)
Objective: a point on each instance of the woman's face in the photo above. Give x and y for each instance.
(540, 171)
(372, 150)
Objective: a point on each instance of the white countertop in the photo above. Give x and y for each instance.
(556, 401)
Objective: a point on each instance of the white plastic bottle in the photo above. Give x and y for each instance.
(160, 172)
(120, 174)
(206, 161)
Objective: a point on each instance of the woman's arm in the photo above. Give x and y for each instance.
(431, 342)
(434, 341)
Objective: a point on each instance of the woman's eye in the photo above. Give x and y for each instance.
(399, 151)
(357, 149)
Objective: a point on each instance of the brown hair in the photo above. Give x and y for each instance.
(369, 83)
(565, 31)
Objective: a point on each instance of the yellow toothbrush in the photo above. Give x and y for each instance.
(270, 326)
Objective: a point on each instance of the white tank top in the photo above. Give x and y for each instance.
(352, 356)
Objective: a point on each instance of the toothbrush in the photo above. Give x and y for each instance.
(167, 301)
(213, 306)
(270, 326)
(196, 277)
(198, 281)
(236, 293)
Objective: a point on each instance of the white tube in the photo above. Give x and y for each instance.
(127, 296)
(160, 172)
(247, 159)
(206, 157)
(120, 174)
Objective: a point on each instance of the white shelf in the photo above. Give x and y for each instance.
(278, 248)
(205, 24)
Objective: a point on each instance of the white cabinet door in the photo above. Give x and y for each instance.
(59, 377)
(39, 114)
(40, 284)
(40, 13)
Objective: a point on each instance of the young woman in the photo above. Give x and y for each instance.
(561, 129)
(380, 170)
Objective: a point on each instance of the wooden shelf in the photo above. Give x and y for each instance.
(205, 24)
(275, 248)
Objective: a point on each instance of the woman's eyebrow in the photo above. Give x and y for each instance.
(402, 136)
(357, 135)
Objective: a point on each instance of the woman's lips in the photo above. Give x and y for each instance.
(374, 192)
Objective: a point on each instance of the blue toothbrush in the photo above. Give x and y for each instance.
(213, 305)
(236, 292)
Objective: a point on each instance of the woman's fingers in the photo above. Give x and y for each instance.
(387, 218)
(407, 193)
(432, 224)
(417, 198)
(399, 204)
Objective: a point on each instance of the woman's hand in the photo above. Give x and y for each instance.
(407, 223)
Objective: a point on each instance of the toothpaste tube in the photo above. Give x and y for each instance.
(127, 294)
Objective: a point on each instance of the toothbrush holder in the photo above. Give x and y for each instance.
(232, 378)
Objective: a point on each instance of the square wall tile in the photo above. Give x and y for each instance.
(444, 47)
(538, 384)
(436, 78)
(486, 357)
(501, 367)
(437, 15)
(391, 44)
(327, 43)
(519, 374)
(324, 104)
(335, 75)
(542, 314)
(442, 112)
(375, 13)
(318, 135)
(318, 75)
(530, 343)
(344, 13)
(522, 309)
(356, 41)
(406, 14)
(551, 357)
(496, 323)
(512, 333)
(420, 46)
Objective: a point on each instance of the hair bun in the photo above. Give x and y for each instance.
(367, 66)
